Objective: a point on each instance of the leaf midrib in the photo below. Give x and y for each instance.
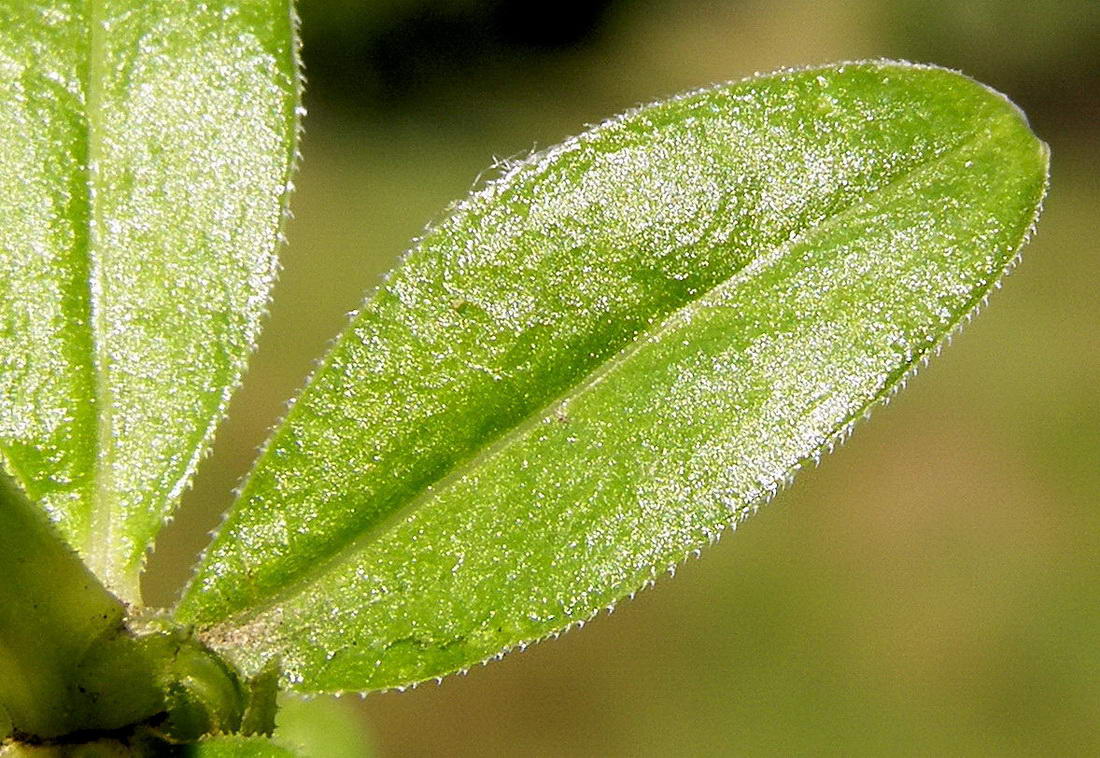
(101, 533)
(584, 384)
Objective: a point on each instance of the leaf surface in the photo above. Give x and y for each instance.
(607, 356)
(145, 151)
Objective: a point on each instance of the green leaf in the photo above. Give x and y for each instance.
(606, 357)
(233, 746)
(145, 151)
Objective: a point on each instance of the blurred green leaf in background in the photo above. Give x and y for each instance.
(931, 589)
(323, 727)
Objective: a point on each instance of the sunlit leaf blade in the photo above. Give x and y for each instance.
(606, 357)
(145, 151)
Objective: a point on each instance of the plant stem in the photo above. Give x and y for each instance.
(52, 611)
(70, 664)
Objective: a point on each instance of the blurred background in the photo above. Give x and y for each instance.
(932, 589)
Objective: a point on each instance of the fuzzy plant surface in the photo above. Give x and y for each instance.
(591, 367)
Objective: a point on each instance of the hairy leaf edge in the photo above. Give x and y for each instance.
(207, 439)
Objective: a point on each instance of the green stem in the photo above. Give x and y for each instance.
(72, 668)
(52, 611)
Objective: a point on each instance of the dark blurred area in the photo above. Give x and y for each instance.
(390, 55)
(400, 50)
(933, 588)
